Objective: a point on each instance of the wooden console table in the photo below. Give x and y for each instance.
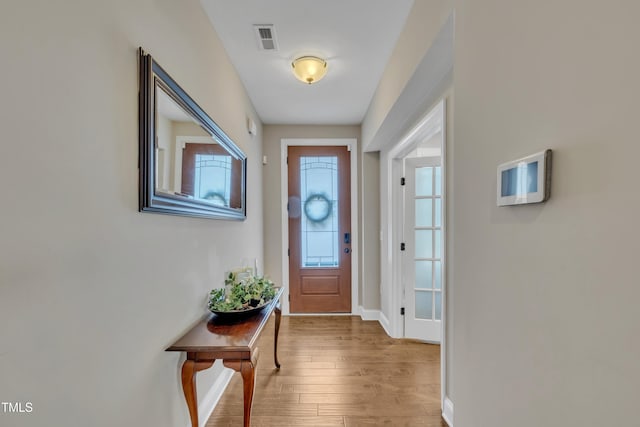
(231, 340)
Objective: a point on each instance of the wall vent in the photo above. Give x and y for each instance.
(266, 35)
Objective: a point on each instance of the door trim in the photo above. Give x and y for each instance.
(352, 144)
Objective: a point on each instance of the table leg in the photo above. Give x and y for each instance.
(189, 369)
(248, 372)
(275, 341)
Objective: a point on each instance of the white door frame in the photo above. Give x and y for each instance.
(395, 169)
(352, 146)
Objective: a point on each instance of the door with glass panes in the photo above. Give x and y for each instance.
(319, 229)
(423, 255)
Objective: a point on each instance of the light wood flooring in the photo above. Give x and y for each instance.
(338, 371)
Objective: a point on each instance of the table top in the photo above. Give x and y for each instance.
(226, 334)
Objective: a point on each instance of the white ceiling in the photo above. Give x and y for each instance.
(356, 37)
(169, 109)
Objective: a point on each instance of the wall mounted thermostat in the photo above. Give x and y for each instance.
(526, 180)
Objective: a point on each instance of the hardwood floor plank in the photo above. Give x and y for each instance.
(432, 421)
(338, 371)
(293, 364)
(269, 409)
(361, 398)
(262, 421)
(392, 408)
(313, 372)
(431, 385)
(331, 388)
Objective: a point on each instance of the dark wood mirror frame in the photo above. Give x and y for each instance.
(153, 77)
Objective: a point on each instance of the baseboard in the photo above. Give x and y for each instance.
(211, 399)
(367, 314)
(385, 323)
(447, 412)
(378, 315)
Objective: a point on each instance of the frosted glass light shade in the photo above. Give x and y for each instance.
(309, 69)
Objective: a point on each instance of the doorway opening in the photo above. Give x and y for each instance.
(415, 220)
(319, 226)
(418, 230)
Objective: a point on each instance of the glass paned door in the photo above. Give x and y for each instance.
(319, 229)
(423, 258)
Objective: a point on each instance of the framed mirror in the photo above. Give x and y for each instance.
(188, 165)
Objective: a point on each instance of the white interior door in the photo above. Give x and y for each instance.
(423, 254)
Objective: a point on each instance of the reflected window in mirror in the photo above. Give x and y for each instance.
(210, 174)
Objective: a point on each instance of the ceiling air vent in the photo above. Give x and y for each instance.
(266, 35)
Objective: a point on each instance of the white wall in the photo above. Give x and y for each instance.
(546, 296)
(91, 291)
(387, 299)
(369, 229)
(164, 128)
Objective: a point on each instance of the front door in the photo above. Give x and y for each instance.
(208, 173)
(423, 256)
(319, 229)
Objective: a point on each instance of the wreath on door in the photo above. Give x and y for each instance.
(317, 207)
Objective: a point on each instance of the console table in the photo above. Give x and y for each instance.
(231, 340)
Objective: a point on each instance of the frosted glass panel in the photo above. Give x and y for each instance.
(424, 181)
(438, 305)
(212, 178)
(424, 247)
(319, 200)
(429, 245)
(424, 274)
(424, 305)
(424, 213)
(438, 213)
(319, 243)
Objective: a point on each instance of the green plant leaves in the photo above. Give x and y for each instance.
(242, 291)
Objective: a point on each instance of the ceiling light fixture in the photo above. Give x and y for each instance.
(309, 69)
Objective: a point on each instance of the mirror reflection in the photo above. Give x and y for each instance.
(188, 165)
(189, 161)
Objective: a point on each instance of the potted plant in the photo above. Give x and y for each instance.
(243, 291)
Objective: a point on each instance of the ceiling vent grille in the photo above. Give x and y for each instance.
(266, 35)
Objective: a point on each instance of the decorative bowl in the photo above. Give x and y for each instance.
(240, 313)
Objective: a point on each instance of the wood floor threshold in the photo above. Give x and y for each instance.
(338, 371)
